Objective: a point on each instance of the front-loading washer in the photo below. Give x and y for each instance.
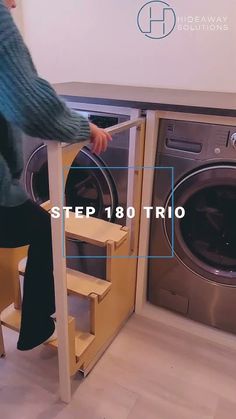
(192, 269)
(94, 184)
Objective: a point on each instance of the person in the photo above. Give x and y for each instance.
(29, 104)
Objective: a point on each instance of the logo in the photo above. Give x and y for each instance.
(156, 19)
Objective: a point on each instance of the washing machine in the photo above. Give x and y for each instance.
(96, 185)
(192, 269)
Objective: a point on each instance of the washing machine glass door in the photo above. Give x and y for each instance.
(93, 186)
(205, 239)
(90, 184)
(36, 175)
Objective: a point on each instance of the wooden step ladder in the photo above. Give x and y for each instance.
(112, 300)
(115, 239)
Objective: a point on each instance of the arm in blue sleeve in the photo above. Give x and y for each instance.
(27, 100)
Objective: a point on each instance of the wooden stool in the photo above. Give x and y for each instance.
(9, 282)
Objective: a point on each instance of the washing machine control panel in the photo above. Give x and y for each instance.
(222, 143)
(198, 141)
(233, 140)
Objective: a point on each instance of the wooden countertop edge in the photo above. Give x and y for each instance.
(218, 103)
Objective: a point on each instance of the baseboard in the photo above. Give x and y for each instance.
(169, 318)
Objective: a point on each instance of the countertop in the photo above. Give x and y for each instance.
(211, 103)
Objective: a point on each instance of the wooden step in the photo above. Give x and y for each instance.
(82, 341)
(80, 283)
(11, 318)
(84, 285)
(93, 230)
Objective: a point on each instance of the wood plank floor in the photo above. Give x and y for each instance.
(151, 371)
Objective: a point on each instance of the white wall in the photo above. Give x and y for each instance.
(98, 41)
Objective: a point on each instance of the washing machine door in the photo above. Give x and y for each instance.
(205, 239)
(93, 186)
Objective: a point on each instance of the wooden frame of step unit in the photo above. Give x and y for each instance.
(109, 313)
(9, 282)
(111, 301)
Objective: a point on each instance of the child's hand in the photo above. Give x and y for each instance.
(99, 139)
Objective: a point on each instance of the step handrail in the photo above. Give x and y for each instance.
(125, 125)
(115, 129)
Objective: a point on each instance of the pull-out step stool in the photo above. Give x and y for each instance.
(107, 310)
(112, 300)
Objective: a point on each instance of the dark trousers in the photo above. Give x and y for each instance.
(29, 224)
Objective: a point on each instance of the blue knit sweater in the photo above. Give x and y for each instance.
(27, 104)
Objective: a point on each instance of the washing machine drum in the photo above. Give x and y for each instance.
(205, 239)
(90, 185)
